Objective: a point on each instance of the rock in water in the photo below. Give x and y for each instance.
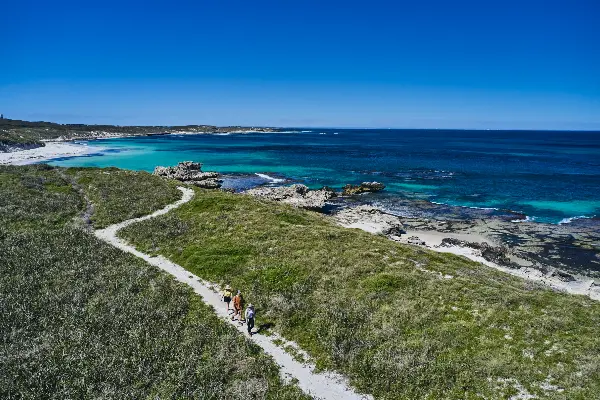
(296, 195)
(190, 172)
(370, 219)
(364, 187)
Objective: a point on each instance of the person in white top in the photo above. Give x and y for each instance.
(250, 313)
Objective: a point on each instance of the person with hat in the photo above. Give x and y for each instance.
(250, 313)
(226, 295)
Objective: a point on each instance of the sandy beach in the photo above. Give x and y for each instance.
(49, 151)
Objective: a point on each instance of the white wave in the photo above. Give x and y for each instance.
(335, 133)
(305, 131)
(270, 178)
(571, 219)
(471, 207)
(249, 131)
(483, 208)
(322, 133)
(527, 219)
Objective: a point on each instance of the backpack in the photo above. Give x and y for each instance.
(250, 313)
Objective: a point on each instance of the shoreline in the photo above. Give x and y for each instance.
(473, 240)
(51, 149)
(432, 240)
(549, 269)
(67, 146)
(564, 258)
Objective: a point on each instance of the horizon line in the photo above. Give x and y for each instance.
(319, 127)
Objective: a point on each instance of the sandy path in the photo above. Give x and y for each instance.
(319, 385)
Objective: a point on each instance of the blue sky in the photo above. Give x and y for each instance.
(424, 64)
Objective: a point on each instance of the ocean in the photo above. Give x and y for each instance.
(545, 176)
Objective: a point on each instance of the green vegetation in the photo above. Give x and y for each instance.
(118, 195)
(80, 319)
(380, 312)
(9, 139)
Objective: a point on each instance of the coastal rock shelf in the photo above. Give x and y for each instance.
(296, 195)
(496, 254)
(301, 196)
(190, 172)
(370, 219)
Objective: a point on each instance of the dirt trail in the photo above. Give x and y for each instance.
(319, 385)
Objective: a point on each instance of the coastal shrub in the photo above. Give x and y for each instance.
(400, 321)
(35, 196)
(10, 140)
(81, 319)
(118, 195)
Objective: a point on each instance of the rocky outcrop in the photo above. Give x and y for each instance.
(417, 241)
(496, 254)
(296, 195)
(563, 276)
(370, 219)
(365, 187)
(191, 172)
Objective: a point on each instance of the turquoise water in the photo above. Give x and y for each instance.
(548, 176)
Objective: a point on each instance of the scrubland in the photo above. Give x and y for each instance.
(401, 322)
(80, 319)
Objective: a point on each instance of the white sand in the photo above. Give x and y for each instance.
(371, 227)
(50, 151)
(434, 238)
(319, 385)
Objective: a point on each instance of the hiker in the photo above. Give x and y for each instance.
(226, 294)
(238, 305)
(250, 318)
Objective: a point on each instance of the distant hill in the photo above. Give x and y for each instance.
(17, 134)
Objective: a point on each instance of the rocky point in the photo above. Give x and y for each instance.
(296, 195)
(191, 172)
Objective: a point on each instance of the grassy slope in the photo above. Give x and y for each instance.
(364, 305)
(118, 195)
(80, 319)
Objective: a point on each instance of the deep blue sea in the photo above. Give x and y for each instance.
(547, 176)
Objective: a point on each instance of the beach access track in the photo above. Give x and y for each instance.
(320, 385)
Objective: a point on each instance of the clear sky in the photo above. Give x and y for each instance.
(427, 64)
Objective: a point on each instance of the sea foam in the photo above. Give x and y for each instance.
(270, 178)
(527, 219)
(571, 219)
